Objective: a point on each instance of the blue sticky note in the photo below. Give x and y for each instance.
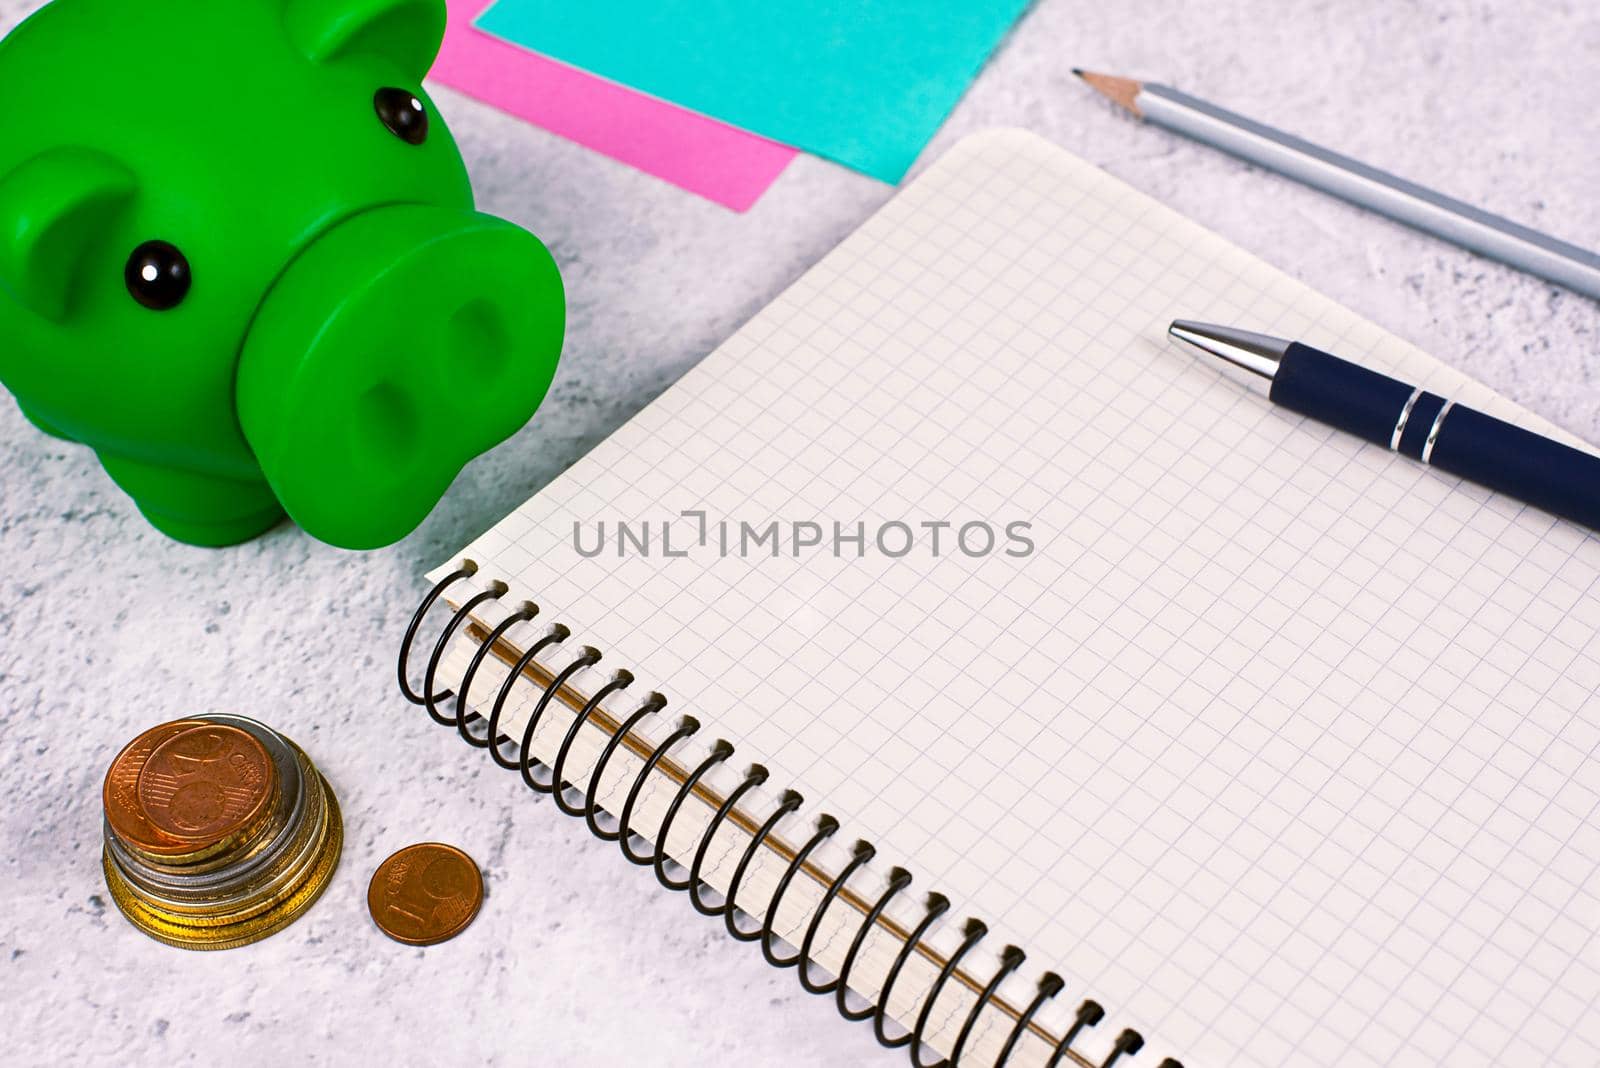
(863, 82)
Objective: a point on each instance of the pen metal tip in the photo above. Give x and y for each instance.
(1257, 353)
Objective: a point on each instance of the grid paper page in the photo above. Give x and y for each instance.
(1280, 746)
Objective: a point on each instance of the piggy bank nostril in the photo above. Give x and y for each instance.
(477, 340)
(384, 427)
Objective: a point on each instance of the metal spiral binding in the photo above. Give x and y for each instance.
(565, 793)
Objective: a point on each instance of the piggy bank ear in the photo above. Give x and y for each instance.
(52, 209)
(407, 32)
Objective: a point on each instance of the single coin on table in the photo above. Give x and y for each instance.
(120, 793)
(425, 894)
(206, 782)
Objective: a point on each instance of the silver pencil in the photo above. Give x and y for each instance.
(1364, 186)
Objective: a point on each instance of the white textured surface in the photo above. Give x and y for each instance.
(578, 957)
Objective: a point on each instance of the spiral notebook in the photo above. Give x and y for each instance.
(1203, 732)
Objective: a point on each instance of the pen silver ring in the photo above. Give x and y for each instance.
(1433, 434)
(1405, 417)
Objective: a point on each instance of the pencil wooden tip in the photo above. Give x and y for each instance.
(1121, 91)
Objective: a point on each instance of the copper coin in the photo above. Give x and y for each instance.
(120, 794)
(425, 894)
(207, 782)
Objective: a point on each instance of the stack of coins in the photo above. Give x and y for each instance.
(218, 832)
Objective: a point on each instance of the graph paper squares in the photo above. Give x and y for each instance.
(1279, 746)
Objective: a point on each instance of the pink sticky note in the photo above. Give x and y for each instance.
(715, 160)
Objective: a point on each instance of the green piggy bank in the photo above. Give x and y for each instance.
(239, 260)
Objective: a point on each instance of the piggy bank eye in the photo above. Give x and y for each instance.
(403, 113)
(157, 275)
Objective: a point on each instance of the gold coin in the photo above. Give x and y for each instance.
(425, 894)
(204, 933)
(262, 888)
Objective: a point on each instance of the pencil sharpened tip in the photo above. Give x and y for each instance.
(1121, 91)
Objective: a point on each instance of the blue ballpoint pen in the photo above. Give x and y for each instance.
(1424, 426)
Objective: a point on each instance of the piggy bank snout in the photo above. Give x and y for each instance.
(395, 348)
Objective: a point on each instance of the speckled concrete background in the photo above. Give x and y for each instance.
(106, 628)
